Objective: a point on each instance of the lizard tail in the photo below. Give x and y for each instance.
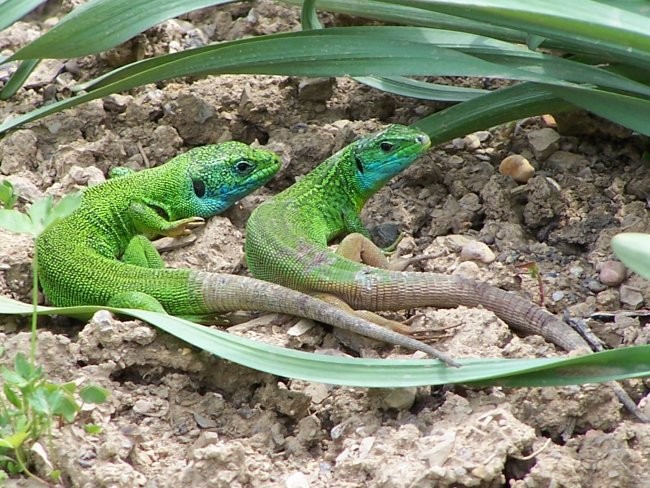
(224, 293)
(401, 290)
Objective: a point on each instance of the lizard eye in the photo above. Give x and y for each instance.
(386, 146)
(243, 167)
(199, 188)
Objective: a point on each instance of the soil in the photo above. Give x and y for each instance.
(177, 417)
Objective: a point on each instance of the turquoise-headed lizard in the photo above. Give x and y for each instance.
(101, 253)
(287, 238)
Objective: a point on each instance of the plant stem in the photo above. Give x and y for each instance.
(32, 355)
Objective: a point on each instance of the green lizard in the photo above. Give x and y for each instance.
(101, 253)
(287, 238)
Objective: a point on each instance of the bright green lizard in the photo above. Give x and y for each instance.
(101, 253)
(287, 238)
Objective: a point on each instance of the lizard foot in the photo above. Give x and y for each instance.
(184, 227)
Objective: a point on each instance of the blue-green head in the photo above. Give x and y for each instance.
(378, 157)
(219, 175)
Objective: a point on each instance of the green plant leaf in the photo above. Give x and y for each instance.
(633, 249)
(18, 78)
(13, 10)
(14, 441)
(93, 429)
(596, 27)
(39, 213)
(38, 401)
(93, 394)
(64, 405)
(15, 221)
(64, 207)
(11, 395)
(629, 362)
(24, 368)
(8, 196)
(101, 24)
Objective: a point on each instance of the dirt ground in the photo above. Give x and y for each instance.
(177, 417)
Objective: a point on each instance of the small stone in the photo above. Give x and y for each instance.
(631, 296)
(477, 251)
(471, 142)
(296, 480)
(117, 103)
(557, 296)
(483, 135)
(453, 242)
(544, 142)
(399, 398)
(316, 89)
(608, 299)
(467, 269)
(611, 273)
(517, 167)
(594, 285)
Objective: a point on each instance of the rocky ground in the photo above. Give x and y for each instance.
(178, 417)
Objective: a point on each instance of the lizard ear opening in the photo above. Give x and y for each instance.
(359, 163)
(386, 146)
(199, 188)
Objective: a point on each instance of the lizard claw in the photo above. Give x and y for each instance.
(184, 227)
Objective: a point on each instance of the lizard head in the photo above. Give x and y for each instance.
(380, 156)
(220, 174)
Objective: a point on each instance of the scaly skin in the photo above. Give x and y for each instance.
(287, 237)
(101, 255)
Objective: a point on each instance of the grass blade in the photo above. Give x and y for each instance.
(18, 78)
(617, 34)
(630, 362)
(101, 24)
(13, 10)
(497, 107)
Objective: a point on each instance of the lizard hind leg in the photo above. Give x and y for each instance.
(136, 299)
(141, 252)
(365, 314)
(360, 249)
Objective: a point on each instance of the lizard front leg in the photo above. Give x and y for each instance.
(149, 223)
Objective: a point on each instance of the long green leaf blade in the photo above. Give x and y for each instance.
(101, 24)
(494, 108)
(630, 362)
(615, 33)
(13, 10)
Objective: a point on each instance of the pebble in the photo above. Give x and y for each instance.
(594, 285)
(557, 296)
(611, 273)
(517, 167)
(631, 296)
(543, 142)
(477, 251)
(316, 89)
(399, 398)
(296, 480)
(467, 269)
(608, 298)
(471, 142)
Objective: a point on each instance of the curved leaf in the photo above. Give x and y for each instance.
(629, 362)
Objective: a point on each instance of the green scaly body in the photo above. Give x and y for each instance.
(101, 255)
(287, 237)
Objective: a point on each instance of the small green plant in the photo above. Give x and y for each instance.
(29, 404)
(8, 197)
